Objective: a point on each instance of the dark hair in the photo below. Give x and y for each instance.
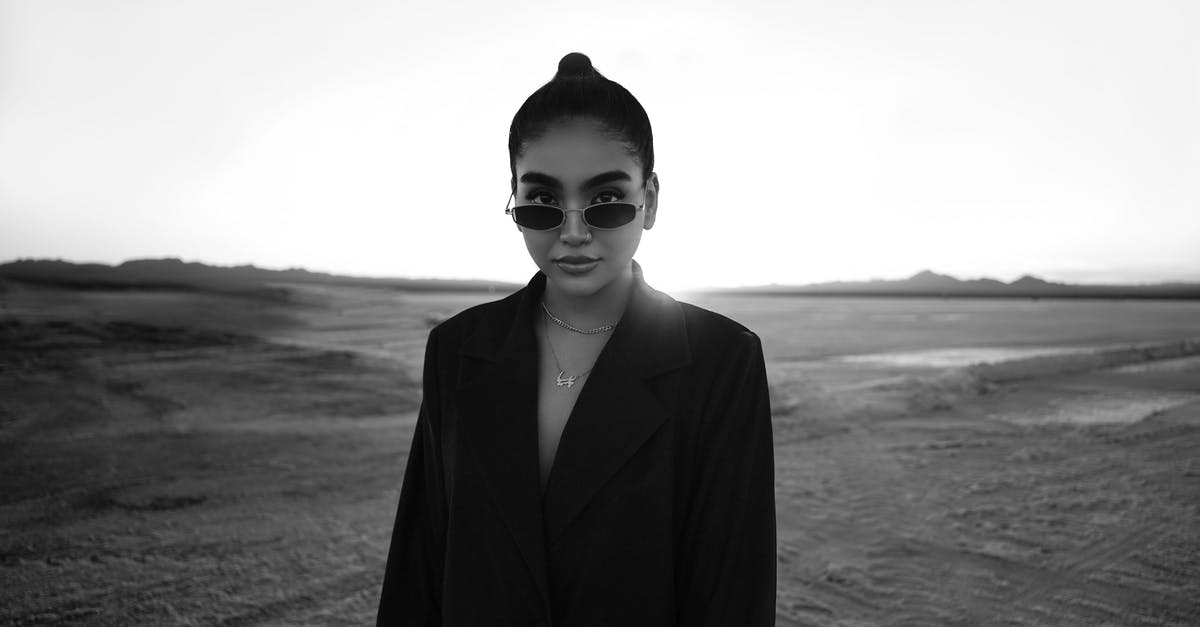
(578, 90)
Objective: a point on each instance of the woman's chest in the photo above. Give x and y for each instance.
(557, 394)
(562, 373)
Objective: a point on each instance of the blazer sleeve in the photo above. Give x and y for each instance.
(412, 580)
(726, 562)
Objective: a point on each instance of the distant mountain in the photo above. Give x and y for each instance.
(173, 273)
(927, 283)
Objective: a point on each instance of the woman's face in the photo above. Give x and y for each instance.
(572, 165)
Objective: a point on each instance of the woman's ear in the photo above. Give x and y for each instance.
(651, 200)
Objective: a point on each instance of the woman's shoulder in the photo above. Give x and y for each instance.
(726, 359)
(713, 334)
(495, 315)
(711, 321)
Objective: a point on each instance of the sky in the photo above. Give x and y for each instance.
(795, 141)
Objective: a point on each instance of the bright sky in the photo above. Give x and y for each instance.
(795, 141)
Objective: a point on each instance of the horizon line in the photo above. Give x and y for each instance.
(772, 285)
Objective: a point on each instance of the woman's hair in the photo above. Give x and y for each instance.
(578, 90)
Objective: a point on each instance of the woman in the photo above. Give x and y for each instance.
(588, 451)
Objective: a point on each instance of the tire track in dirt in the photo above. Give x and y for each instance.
(1084, 580)
(873, 501)
(1041, 584)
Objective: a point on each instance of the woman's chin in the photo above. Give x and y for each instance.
(571, 281)
(576, 286)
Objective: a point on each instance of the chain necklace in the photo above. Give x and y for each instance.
(562, 379)
(564, 324)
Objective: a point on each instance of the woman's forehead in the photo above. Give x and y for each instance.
(546, 179)
(574, 154)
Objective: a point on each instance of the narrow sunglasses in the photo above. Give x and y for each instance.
(604, 216)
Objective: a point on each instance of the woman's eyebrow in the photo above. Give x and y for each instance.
(542, 178)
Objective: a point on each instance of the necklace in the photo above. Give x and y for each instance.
(567, 326)
(562, 379)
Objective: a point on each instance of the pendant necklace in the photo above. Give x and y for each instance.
(563, 380)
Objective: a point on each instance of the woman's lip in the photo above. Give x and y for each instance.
(576, 268)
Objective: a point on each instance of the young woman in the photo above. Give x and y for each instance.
(588, 451)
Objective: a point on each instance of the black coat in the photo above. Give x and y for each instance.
(660, 505)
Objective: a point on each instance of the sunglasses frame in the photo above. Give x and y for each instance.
(511, 211)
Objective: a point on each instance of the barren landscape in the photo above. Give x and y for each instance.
(193, 458)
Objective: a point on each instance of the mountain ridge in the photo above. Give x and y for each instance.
(927, 283)
(174, 273)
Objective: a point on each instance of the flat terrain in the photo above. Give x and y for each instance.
(195, 459)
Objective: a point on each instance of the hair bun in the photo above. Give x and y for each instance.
(575, 64)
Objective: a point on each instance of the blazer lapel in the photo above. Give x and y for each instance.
(497, 397)
(617, 410)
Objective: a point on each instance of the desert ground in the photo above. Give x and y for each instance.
(191, 458)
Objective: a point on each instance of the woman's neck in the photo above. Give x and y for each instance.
(592, 310)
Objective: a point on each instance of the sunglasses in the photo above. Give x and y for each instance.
(604, 216)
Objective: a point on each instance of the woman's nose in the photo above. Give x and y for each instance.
(574, 229)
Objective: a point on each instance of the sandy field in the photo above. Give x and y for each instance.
(171, 458)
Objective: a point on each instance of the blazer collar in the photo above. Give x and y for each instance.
(650, 333)
(617, 410)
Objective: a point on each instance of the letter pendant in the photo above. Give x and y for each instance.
(562, 379)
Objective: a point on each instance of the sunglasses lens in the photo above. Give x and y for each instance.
(610, 215)
(537, 217)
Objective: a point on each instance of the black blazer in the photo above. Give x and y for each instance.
(660, 505)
